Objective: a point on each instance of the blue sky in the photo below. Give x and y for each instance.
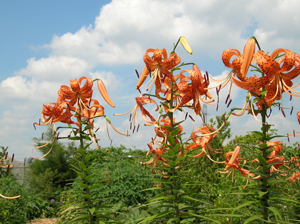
(44, 44)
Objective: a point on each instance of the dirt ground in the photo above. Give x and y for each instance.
(43, 221)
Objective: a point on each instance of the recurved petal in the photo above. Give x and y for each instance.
(143, 77)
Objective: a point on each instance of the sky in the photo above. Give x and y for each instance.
(45, 44)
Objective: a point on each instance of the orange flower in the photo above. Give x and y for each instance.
(159, 64)
(162, 131)
(233, 163)
(194, 90)
(295, 176)
(278, 76)
(159, 151)
(208, 133)
(75, 94)
(277, 147)
(140, 101)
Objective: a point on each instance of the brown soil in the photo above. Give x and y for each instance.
(43, 221)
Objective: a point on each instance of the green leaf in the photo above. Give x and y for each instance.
(74, 138)
(260, 134)
(251, 219)
(244, 205)
(171, 139)
(176, 147)
(203, 217)
(92, 210)
(81, 165)
(274, 210)
(261, 159)
(171, 153)
(172, 163)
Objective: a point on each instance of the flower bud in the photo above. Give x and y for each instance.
(185, 45)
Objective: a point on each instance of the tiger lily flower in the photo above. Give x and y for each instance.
(239, 65)
(162, 132)
(295, 176)
(233, 163)
(194, 90)
(159, 65)
(158, 153)
(208, 133)
(277, 147)
(76, 94)
(52, 113)
(140, 102)
(278, 76)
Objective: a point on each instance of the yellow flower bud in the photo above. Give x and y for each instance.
(185, 45)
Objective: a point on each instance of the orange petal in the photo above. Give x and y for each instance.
(143, 77)
(102, 90)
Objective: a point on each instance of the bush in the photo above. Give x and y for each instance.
(22, 209)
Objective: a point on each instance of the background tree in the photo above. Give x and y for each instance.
(47, 177)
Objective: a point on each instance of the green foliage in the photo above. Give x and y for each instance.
(48, 177)
(126, 177)
(20, 210)
(88, 206)
(223, 134)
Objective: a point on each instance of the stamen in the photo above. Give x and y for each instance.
(133, 129)
(40, 121)
(34, 126)
(227, 98)
(292, 110)
(138, 128)
(97, 129)
(191, 118)
(130, 117)
(186, 115)
(137, 73)
(12, 158)
(217, 107)
(7, 168)
(282, 112)
(166, 92)
(229, 103)
(139, 90)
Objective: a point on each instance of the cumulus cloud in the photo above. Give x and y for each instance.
(115, 43)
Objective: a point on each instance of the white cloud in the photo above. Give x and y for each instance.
(52, 68)
(120, 35)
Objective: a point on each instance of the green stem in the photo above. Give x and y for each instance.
(173, 170)
(264, 185)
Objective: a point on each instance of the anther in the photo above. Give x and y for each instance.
(191, 118)
(227, 98)
(137, 73)
(229, 103)
(283, 112)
